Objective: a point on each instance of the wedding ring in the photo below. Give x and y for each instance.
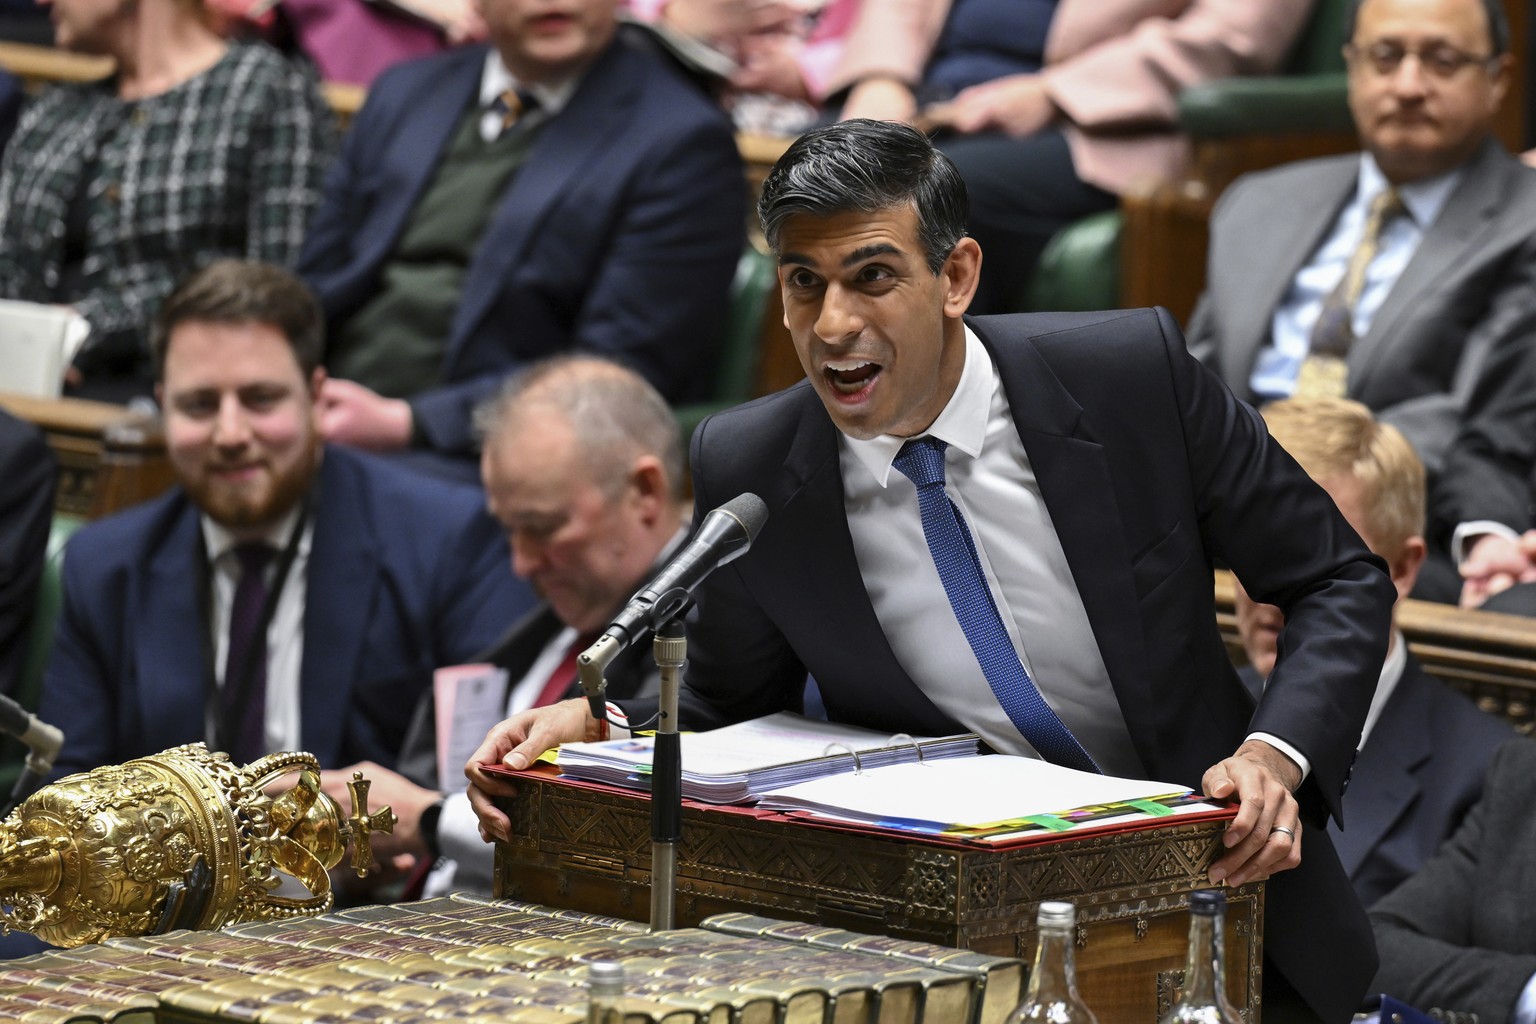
(1281, 828)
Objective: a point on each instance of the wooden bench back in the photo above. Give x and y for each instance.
(110, 456)
(1489, 657)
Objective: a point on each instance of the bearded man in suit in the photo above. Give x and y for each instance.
(1059, 603)
(287, 594)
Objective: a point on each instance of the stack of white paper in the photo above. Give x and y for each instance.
(37, 344)
(971, 792)
(737, 763)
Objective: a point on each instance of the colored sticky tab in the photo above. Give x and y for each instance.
(1050, 822)
(1151, 807)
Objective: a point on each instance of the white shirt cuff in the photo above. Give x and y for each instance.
(1467, 534)
(1286, 749)
(458, 831)
(1525, 1006)
(616, 714)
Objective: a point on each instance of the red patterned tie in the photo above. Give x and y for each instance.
(564, 674)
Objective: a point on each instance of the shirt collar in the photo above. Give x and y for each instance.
(1423, 199)
(1386, 684)
(219, 541)
(962, 423)
(496, 79)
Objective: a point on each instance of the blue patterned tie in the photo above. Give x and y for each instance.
(954, 554)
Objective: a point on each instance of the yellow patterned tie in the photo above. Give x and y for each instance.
(1324, 372)
(511, 103)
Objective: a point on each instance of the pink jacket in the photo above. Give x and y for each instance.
(1113, 67)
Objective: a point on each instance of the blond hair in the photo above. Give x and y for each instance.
(1332, 437)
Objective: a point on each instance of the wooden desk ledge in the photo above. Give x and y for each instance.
(1489, 656)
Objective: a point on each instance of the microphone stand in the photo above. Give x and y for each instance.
(671, 650)
(670, 647)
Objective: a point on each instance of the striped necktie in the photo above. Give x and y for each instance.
(1324, 372)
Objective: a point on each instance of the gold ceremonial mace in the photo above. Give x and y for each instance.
(180, 839)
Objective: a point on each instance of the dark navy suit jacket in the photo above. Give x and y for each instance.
(1420, 771)
(619, 235)
(1150, 469)
(403, 577)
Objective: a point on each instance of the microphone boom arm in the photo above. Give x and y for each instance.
(591, 665)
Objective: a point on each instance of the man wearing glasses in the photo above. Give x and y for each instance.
(1388, 276)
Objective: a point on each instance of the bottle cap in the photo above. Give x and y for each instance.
(606, 977)
(1061, 914)
(1209, 902)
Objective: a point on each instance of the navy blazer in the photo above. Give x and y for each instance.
(619, 235)
(27, 467)
(403, 577)
(1150, 469)
(1420, 771)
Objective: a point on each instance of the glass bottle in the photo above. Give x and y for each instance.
(1052, 994)
(1204, 998)
(605, 992)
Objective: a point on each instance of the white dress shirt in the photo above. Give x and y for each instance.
(285, 633)
(989, 477)
(1279, 362)
(465, 861)
(496, 79)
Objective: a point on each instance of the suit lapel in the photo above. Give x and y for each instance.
(811, 515)
(339, 596)
(570, 146)
(171, 671)
(1476, 201)
(521, 644)
(1074, 478)
(428, 122)
(1384, 782)
(1291, 235)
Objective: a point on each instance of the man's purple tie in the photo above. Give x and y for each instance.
(246, 737)
(954, 554)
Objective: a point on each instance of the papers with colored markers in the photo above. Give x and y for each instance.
(985, 798)
(736, 763)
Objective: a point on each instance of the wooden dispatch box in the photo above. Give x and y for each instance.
(584, 846)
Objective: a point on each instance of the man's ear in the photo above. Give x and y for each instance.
(1405, 567)
(648, 486)
(316, 382)
(961, 273)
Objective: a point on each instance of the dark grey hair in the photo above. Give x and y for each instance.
(1498, 24)
(616, 415)
(868, 166)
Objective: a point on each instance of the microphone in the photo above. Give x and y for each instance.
(41, 740)
(725, 534)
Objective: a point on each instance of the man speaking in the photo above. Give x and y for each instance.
(1008, 525)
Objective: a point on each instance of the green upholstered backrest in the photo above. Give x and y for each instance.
(45, 614)
(1080, 267)
(1320, 48)
(734, 379)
